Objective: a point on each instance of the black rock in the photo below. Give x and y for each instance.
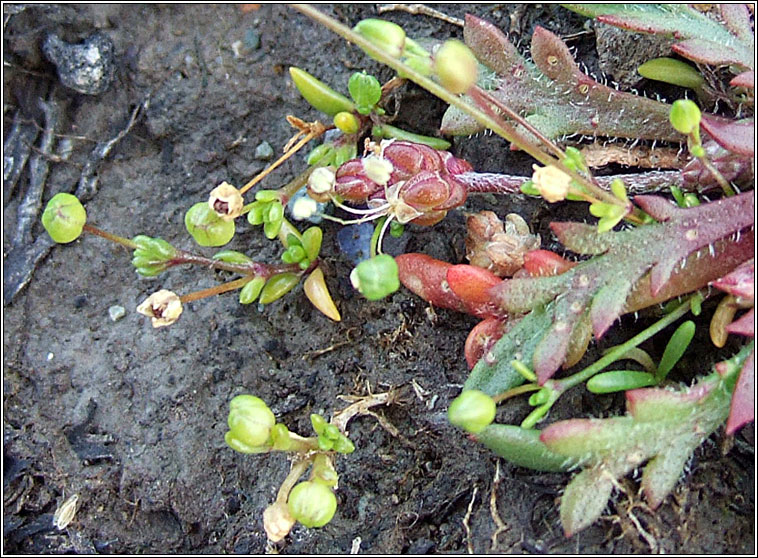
(87, 67)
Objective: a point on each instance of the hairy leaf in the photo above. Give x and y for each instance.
(632, 269)
(553, 94)
(663, 427)
(703, 39)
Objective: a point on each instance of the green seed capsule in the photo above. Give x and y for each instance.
(456, 66)
(318, 94)
(346, 122)
(685, 116)
(386, 35)
(207, 228)
(377, 277)
(250, 422)
(64, 218)
(312, 504)
(472, 410)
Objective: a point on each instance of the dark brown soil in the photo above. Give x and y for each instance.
(132, 419)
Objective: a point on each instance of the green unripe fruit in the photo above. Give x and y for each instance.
(377, 277)
(346, 122)
(312, 504)
(206, 227)
(250, 422)
(472, 410)
(386, 35)
(456, 66)
(64, 218)
(684, 116)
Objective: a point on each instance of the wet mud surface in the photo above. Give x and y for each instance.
(132, 419)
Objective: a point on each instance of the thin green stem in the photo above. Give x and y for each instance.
(513, 392)
(619, 351)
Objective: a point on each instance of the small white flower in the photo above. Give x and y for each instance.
(163, 308)
(321, 180)
(377, 169)
(304, 208)
(552, 183)
(226, 201)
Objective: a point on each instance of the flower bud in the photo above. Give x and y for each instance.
(684, 116)
(456, 66)
(250, 422)
(277, 521)
(64, 218)
(346, 122)
(321, 181)
(226, 201)
(551, 182)
(352, 183)
(377, 169)
(386, 35)
(312, 504)
(163, 308)
(472, 410)
(376, 278)
(304, 208)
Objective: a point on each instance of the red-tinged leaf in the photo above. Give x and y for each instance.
(744, 325)
(489, 45)
(740, 282)
(738, 137)
(745, 79)
(742, 409)
(720, 42)
(427, 277)
(736, 17)
(471, 283)
(482, 338)
(656, 404)
(544, 263)
(609, 303)
(695, 228)
(708, 52)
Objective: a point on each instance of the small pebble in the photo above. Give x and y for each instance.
(88, 67)
(264, 151)
(252, 39)
(116, 312)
